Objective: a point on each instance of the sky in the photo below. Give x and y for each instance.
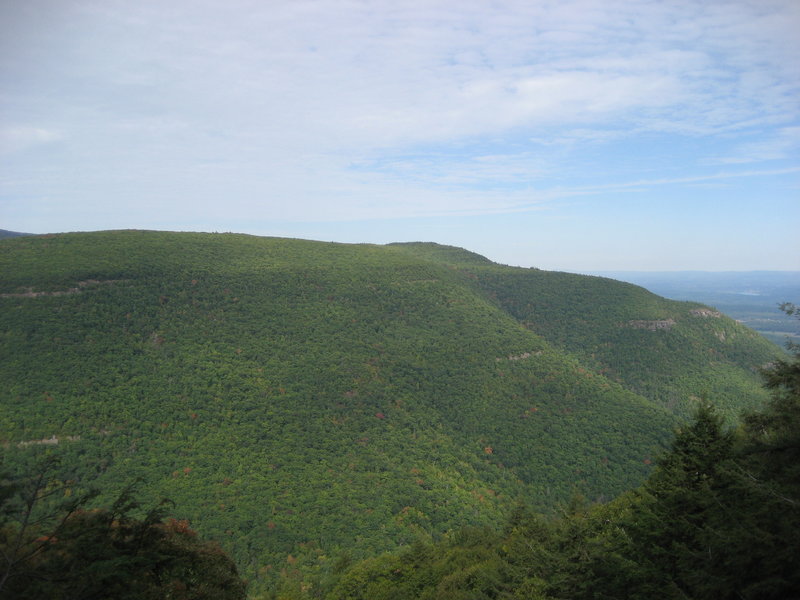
(569, 135)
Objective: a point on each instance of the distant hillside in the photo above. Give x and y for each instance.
(9, 234)
(670, 352)
(302, 401)
(751, 297)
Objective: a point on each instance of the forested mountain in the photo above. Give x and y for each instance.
(610, 325)
(717, 520)
(305, 402)
(750, 297)
(4, 233)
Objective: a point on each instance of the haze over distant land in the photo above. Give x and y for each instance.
(752, 297)
(574, 135)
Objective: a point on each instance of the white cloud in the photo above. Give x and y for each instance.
(783, 143)
(20, 138)
(645, 183)
(293, 109)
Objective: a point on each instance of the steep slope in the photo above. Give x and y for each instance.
(670, 352)
(297, 398)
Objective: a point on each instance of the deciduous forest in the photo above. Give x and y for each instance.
(206, 412)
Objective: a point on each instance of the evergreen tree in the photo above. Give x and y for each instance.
(763, 547)
(673, 526)
(720, 518)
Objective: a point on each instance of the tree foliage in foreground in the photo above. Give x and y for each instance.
(52, 547)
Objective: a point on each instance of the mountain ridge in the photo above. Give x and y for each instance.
(300, 398)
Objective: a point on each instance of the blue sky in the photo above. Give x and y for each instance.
(569, 134)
